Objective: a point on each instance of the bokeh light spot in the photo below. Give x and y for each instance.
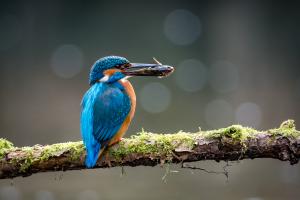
(10, 33)
(191, 75)
(44, 195)
(248, 114)
(155, 97)
(182, 27)
(67, 61)
(88, 195)
(254, 198)
(9, 193)
(218, 113)
(224, 77)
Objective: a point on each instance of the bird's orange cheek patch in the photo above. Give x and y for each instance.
(110, 72)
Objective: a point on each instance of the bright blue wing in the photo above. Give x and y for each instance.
(110, 110)
(104, 109)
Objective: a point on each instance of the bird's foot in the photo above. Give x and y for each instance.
(82, 157)
(107, 159)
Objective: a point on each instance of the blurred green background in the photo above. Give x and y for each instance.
(236, 62)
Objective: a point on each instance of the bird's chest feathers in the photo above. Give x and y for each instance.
(130, 92)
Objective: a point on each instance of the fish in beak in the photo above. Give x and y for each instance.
(142, 69)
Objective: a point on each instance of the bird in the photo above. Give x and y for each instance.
(108, 106)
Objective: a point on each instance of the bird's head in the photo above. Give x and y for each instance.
(113, 68)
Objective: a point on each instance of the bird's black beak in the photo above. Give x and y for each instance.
(141, 69)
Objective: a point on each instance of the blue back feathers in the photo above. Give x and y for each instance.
(104, 109)
(103, 64)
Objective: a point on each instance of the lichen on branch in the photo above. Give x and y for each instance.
(149, 149)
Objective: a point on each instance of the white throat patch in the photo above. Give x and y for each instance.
(104, 78)
(125, 78)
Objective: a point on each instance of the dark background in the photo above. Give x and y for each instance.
(236, 62)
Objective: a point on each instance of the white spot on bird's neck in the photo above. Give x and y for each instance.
(104, 78)
(125, 78)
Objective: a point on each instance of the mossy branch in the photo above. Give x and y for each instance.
(149, 149)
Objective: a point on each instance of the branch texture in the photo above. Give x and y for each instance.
(149, 149)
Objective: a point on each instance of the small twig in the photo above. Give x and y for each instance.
(156, 61)
(123, 172)
(225, 169)
(167, 172)
(187, 166)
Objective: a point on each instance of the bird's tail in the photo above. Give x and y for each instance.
(92, 155)
(92, 146)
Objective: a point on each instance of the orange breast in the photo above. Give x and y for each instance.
(130, 91)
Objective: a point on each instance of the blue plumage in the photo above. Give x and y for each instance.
(103, 64)
(104, 109)
(108, 106)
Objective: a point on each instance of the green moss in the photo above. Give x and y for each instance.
(75, 148)
(287, 129)
(154, 144)
(165, 144)
(288, 124)
(24, 160)
(236, 132)
(29, 159)
(32, 154)
(5, 145)
(158, 144)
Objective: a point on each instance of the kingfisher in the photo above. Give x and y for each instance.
(108, 106)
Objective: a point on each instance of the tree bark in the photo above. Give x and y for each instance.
(149, 149)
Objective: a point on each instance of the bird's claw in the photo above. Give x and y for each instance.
(107, 160)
